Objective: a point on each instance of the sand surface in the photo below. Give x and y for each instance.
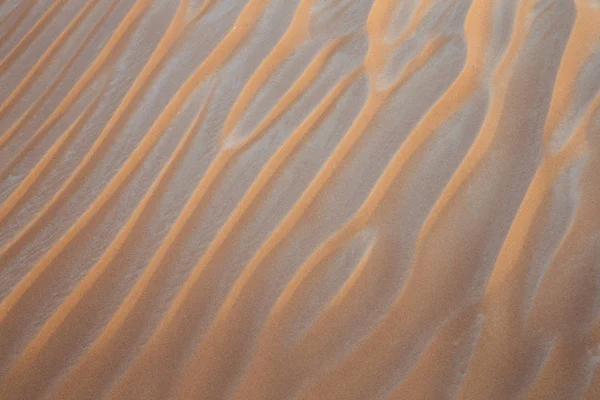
(300, 199)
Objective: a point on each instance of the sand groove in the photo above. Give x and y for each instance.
(299, 199)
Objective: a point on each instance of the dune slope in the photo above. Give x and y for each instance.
(299, 199)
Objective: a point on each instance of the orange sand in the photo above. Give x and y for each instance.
(299, 199)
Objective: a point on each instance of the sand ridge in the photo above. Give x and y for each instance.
(309, 199)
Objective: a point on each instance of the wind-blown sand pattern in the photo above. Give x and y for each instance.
(299, 199)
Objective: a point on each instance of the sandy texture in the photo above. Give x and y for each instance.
(299, 199)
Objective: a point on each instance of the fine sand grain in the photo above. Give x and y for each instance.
(300, 199)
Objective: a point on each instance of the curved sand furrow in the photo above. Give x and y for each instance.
(316, 199)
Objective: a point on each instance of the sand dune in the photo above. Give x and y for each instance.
(299, 199)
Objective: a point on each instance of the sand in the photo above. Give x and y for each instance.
(299, 199)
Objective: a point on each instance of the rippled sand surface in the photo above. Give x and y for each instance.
(300, 199)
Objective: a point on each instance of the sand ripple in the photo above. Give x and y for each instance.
(299, 199)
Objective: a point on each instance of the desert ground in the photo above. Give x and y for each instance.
(300, 199)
